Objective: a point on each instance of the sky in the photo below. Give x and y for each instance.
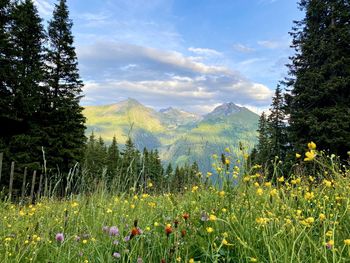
(189, 54)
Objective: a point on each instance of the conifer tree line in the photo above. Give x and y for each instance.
(315, 105)
(40, 88)
(123, 168)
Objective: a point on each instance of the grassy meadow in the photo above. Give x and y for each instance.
(247, 218)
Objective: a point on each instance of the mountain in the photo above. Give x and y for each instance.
(179, 136)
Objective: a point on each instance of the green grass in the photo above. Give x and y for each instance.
(305, 219)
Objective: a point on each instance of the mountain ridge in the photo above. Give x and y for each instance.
(180, 136)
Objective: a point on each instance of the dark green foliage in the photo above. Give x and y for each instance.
(319, 77)
(65, 118)
(276, 126)
(263, 147)
(5, 62)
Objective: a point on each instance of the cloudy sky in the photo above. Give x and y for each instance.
(191, 54)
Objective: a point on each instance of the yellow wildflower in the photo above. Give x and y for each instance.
(311, 145)
(310, 155)
(259, 191)
(212, 218)
(297, 155)
(210, 230)
(347, 242)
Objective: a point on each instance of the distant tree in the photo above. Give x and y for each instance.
(276, 126)
(66, 120)
(319, 77)
(263, 147)
(113, 159)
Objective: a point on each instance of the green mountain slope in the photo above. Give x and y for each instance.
(179, 136)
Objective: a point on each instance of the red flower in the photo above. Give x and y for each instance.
(135, 231)
(183, 232)
(168, 229)
(186, 216)
(163, 261)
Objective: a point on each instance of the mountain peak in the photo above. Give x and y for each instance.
(225, 109)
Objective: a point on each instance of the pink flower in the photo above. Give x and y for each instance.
(60, 237)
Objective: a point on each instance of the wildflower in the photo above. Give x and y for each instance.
(116, 255)
(310, 155)
(186, 216)
(273, 192)
(224, 210)
(168, 229)
(59, 237)
(311, 145)
(327, 183)
(222, 193)
(259, 191)
(113, 231)
(225, 242)
(105, 228)
(116, 242)
(281, 179)
(204, 217)
(194, 188)
(297, 155)
(253, 260)
(150, 185)
(212, 217)
(262, 221)
(183, 233)
(347, 242)
(85, 241)
(268, 184)
(322, 217)
(227, 161)
(246, 179)
(210, 230)
(309, 195)
(127, 238)
(191, 260)
(209, 174)
(139, 260)
(135, 231)
(156, 224)
(109, 211)
(330, 244)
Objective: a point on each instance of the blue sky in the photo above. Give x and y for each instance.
(191, 54)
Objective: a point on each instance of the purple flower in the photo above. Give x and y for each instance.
(204, 217)
(116, 255)
(59, 237)
(139, 260)
(113, 231)
(115, 242)
(105, 229)
(127, 238)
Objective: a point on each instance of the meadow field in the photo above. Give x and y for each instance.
(247, 218)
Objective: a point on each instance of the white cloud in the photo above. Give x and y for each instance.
(205, 52)
(162, 78)
(45, 8)
(242, 48)
(275, 44)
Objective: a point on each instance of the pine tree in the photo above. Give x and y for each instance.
(276, 126)
(65, 118)
(26, 38)
(5, 54)
(319, 77)
(263, 147)
(113, 159)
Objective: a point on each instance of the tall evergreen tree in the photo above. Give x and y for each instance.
(5, 68)
(263, 147)
(276, 126)
(65, 118)
(27, 36)
(319, 77)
